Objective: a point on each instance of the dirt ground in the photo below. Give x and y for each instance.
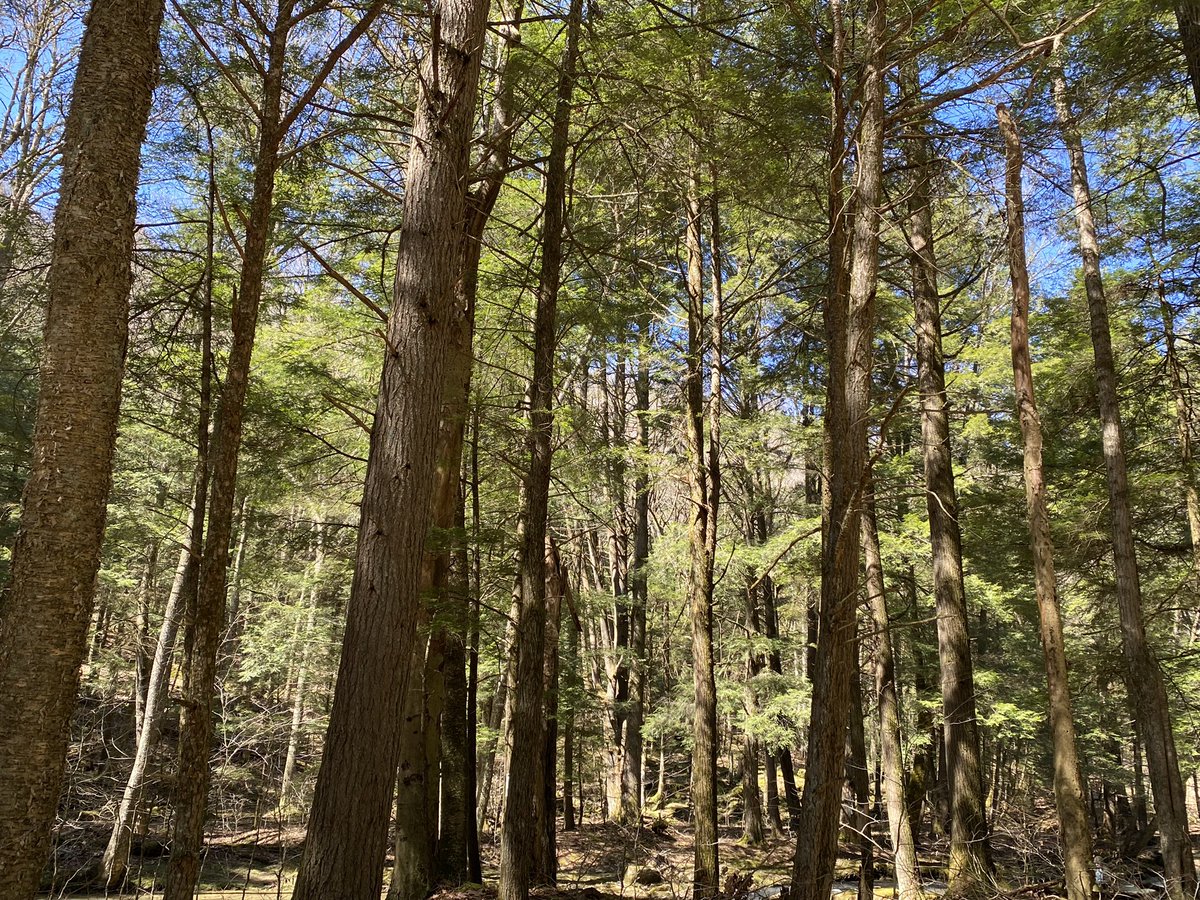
(600, 861)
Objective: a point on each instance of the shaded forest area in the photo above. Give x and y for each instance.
(599, 449)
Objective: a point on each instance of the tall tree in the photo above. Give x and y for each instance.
(706, 871)
(520, 834)
(1075, 832)
(849, 326)
(970, 857)
(1143, 677)
(347, 834)
(46, 609)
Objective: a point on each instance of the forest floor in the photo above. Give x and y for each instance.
(604, 861)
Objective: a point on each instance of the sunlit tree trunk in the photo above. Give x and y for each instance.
(556, 588)
(631, 764)
(45, 611)
(706, 863)
(1075, 835)
(347, 833)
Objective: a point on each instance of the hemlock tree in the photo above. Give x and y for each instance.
(46, 609)
(347, 835)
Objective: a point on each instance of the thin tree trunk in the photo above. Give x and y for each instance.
(569, 773)
(908, 882)
(1074, 836)
(706, 864)
(849, 326)
(114, 863)
(496, 719)
(783, 755)
(142, 658)
(310, 619)
(48, 604)
(347, 834)
(1144, 679)
(970, 856)
(518, 839)
(631, 766)
(556, 587)
(235, 611)
(859, 778)
(206, 623)
(474, 862)
(1183, 430)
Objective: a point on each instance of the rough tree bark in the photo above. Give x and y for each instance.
(45, 611)
(849, 326)
(519, 836)
(347, 834)
(1144, 679)
(412, 866)
(970, 855)
(1075, 835)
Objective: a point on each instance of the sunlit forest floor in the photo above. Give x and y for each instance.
(602, 860)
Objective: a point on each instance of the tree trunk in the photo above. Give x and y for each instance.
(556, 587)
(142, 658)
(474, 862)
(1144, 679)
(783, 755)
(849, 326)
(183, 589)
(706, 864)
(412, 874)
(347, 834)
(206, 621)
(908, 881)
(1074, 835)
(297, 725)
(116, 853)
(631, 766)
(569, 773)
(496, 719)
(519, 837)
(233, 616)
(45, 611)
(970, 855)
(858, 778)
(1187, 14)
